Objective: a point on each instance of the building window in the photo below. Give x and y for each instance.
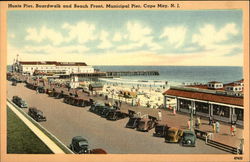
(239, 113)
(223, 111)
(184, 104)
(202, 107)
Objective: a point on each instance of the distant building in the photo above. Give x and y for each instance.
(29, 67)
(209, 100)
(215, 85)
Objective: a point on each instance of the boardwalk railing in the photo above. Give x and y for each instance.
(206, 136)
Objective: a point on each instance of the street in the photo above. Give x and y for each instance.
(66, 121)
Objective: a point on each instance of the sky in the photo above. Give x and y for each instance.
(127, 37)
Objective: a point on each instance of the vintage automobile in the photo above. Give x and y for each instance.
(81, 102)
(133, 122)
(41, 89)
(79, 145)
(161, 129)
(104, 113)
(14, 83)
(66, 99)
(173, 135)
(36, 114)
(115, 115)
(95, 108)
(188, 138)
(146, 124)
(19, 102)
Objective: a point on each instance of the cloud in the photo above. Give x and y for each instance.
(208, 36)
(175, 35)
(117, 37)
(137, 32)
(81, 31)
(105, 43)
(44, 33)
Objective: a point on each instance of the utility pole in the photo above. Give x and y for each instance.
(191, 108)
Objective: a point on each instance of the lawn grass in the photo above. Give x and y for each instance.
(20, 139)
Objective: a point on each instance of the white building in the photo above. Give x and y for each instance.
(215, 85)
(29, 67)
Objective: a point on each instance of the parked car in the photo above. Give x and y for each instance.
(188, 138)
(96, 107)
(133, 122)
(19, 102)
(41, 89)
(161, 129)
(146, 124)
(79, 145)
(66, 99)
(82, 103)
(173, 135)
(59, 95)
(115, 115)
(36, 114)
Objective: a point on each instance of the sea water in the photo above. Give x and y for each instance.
(176, 75)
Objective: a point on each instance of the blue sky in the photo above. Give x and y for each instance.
(129, 37)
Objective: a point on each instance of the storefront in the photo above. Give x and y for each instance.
(221, 107)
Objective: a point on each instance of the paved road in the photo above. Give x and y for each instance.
(66, 121)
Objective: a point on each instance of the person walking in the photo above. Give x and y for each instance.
(174, 110)
(213, 127)
(198, 122)
(232, 130)
(159, 115)
(189, 124)
(217, 124)
(210, 120)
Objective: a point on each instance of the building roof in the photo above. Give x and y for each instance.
(213, 82)
(53, 63)
(206, 97)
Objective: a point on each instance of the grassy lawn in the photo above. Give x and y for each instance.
(20, 139)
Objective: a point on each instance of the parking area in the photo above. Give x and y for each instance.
(66, 121)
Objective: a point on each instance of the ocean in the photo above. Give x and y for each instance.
(176, 75)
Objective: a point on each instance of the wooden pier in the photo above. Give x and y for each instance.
(130, 73)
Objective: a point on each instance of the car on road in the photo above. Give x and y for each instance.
(96, 107)
(19, 102)
(161, 129)
(133, 122)
(188, 138)
(36, 114)
(115, 115)
(173, 135)
(79, 145)
(146, 124)
(41, 89)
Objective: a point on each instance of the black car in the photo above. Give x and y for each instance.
(36, 114)
(133, 122)
(188, 138)
(161, 130)
(115, 115)
(104, 113)
(79, 145)
(19, 102)
(41, 89)
(95, 108)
